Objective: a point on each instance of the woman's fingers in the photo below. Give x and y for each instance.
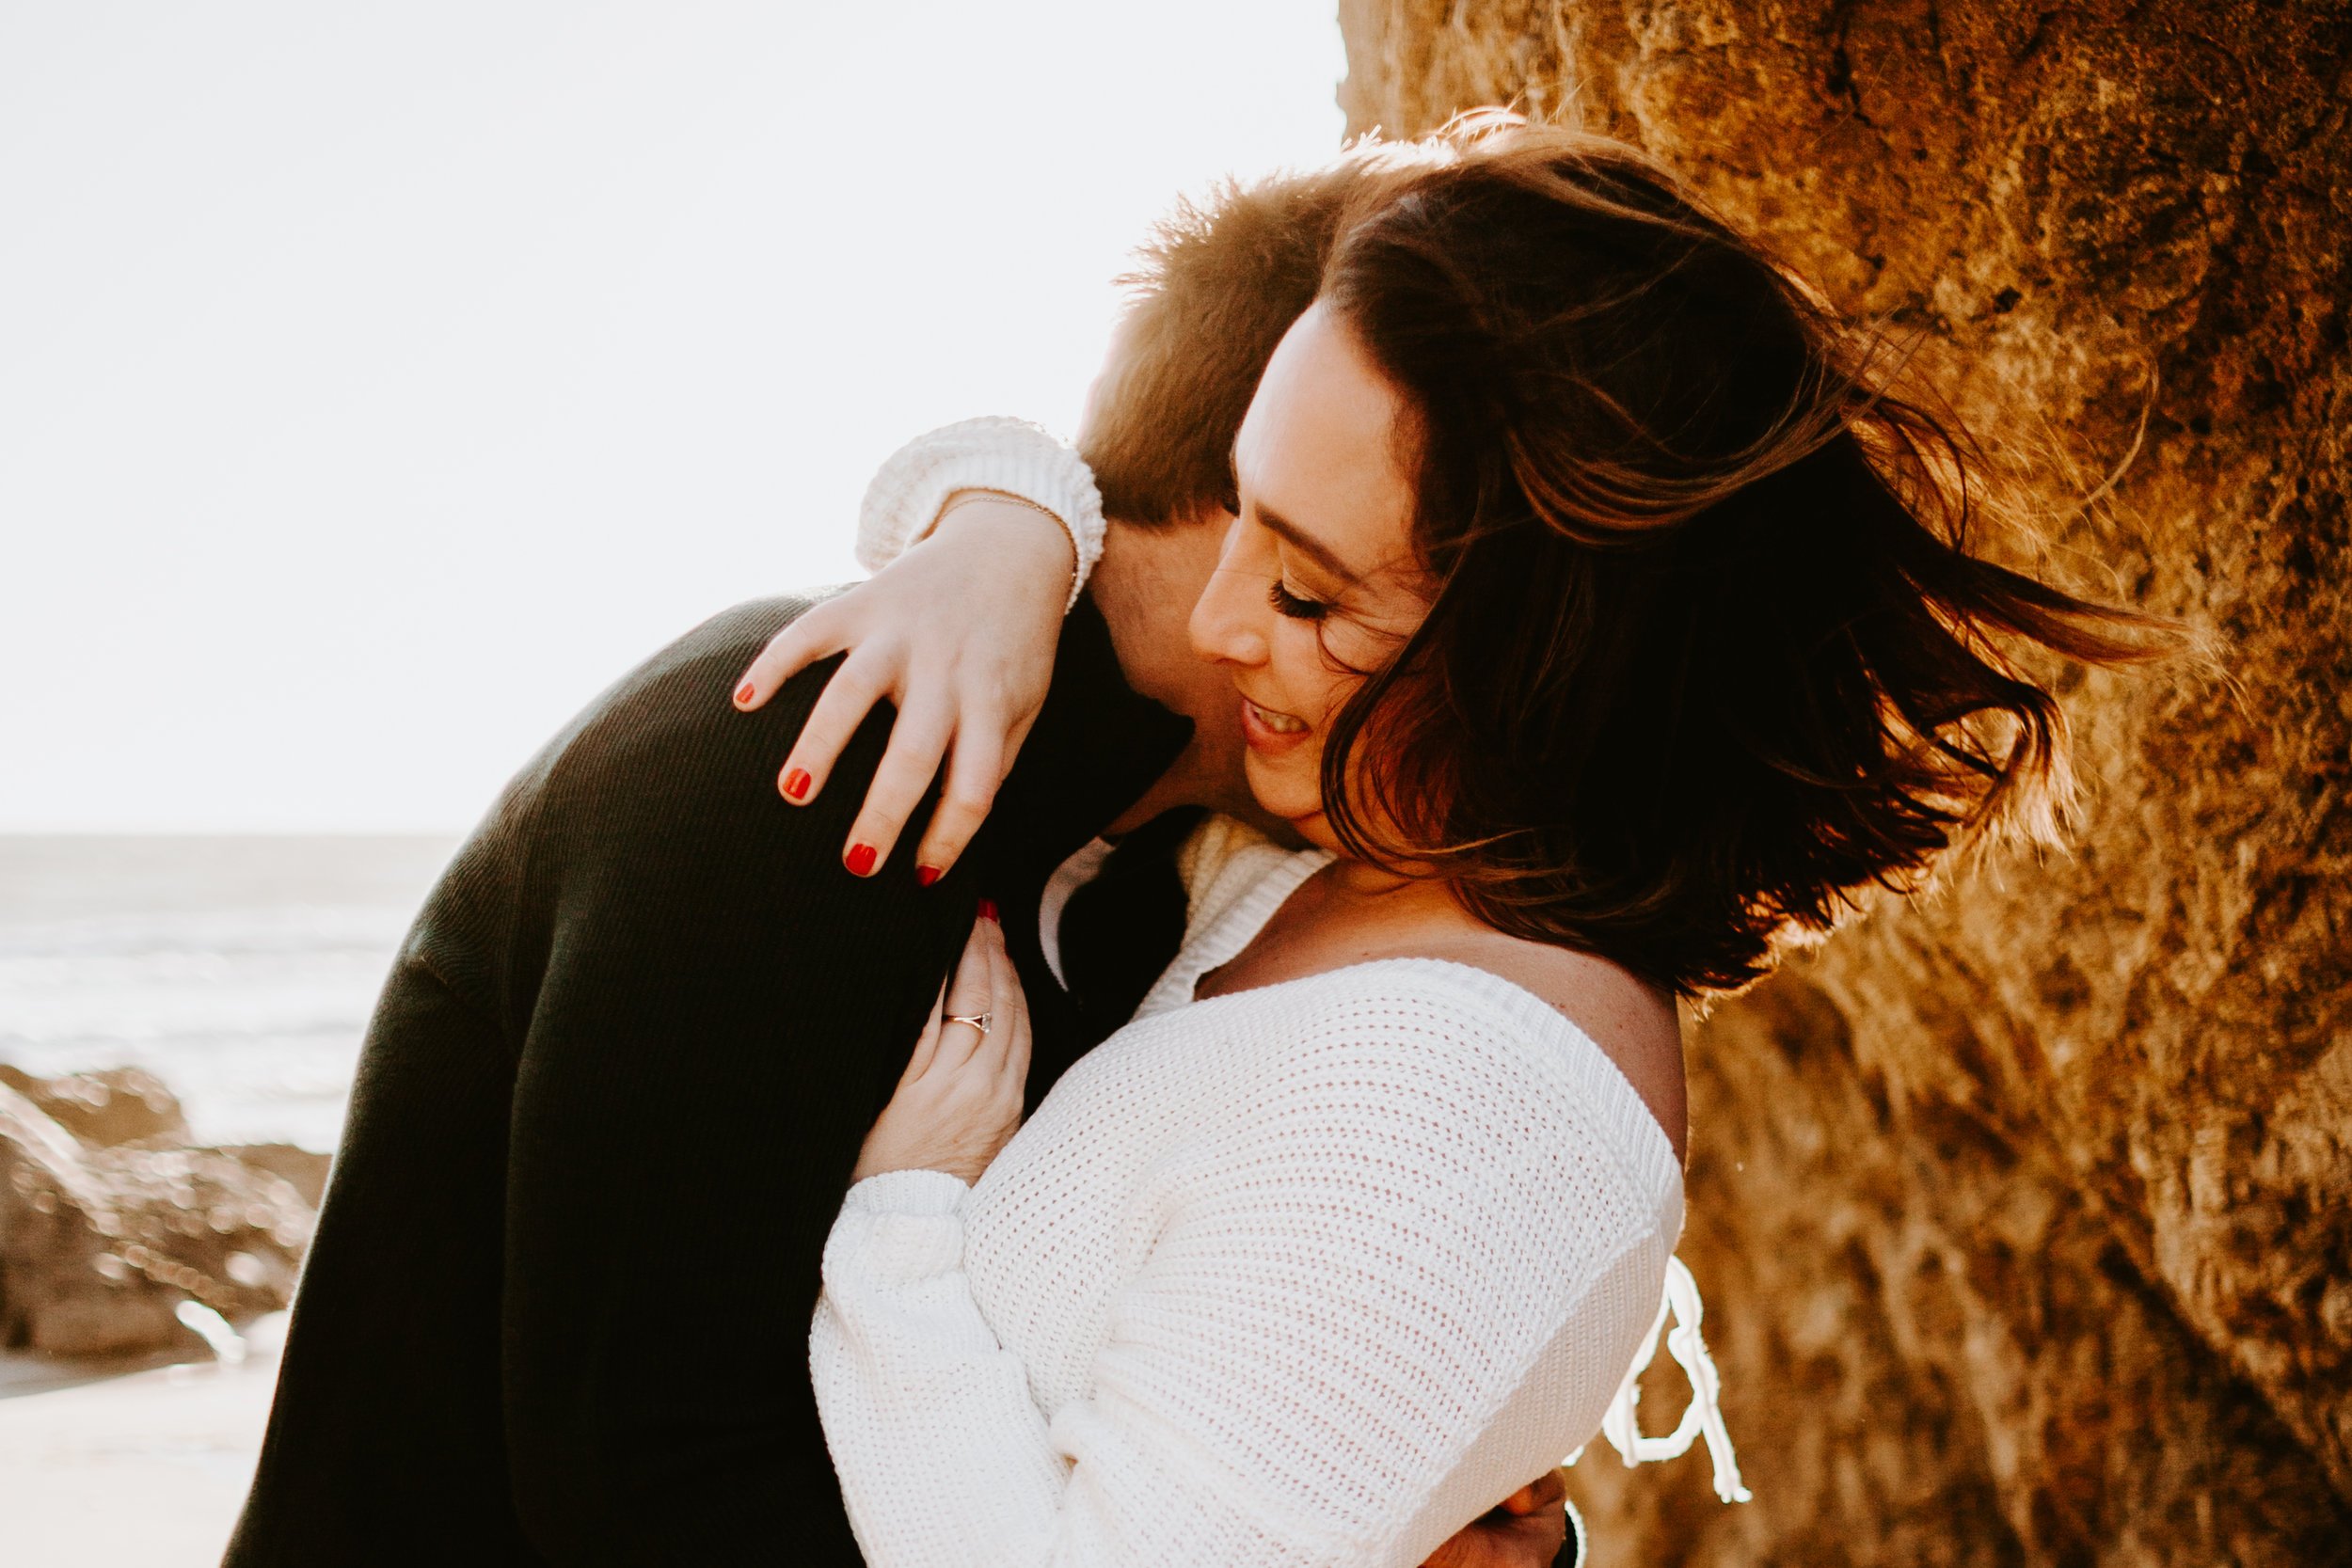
(927, 1043)
(840, 708)
(981, 712)
(1006, 1056)
(810, 637)
(917, 740)
(971, 993)
(1537, 1494)
(974, 771)
(956, 1110)
(1013, 1012)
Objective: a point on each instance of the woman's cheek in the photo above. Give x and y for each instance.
(1333, 690)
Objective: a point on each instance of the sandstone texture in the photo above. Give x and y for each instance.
(108, 1221)
(2025, 1209)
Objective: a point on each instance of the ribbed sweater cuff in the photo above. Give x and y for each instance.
(903, 1224)
(992, 452)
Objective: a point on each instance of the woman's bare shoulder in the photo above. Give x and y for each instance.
(1634, 1023)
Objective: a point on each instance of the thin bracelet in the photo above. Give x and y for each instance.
(965, 498)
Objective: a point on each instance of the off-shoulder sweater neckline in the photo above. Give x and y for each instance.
(1635, 1129)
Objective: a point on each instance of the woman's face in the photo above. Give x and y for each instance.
(1317, 583)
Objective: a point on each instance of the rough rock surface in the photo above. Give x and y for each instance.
(102, 1236)
(2025, 1211)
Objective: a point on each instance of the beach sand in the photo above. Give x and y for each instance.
(102, 1469)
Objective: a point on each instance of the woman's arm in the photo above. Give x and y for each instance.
(993, 454)
(980, 535)
(1357, 1328)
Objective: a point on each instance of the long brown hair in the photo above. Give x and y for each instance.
(1709, 654)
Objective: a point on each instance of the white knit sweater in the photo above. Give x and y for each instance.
(1307, 1274)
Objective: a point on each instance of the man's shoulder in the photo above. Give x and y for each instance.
(673, 710)
(654, 806)
(715, 651)
(640, 756)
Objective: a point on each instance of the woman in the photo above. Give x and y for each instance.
(1601, 624)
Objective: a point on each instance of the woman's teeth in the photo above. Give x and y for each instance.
(1280, 723)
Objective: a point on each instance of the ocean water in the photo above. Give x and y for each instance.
(240, 971)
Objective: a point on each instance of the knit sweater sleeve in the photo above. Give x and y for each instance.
(993, 453)
(1402, 1284)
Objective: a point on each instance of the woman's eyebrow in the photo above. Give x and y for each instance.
(1307, 544)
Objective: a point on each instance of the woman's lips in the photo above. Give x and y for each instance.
(1269, 730)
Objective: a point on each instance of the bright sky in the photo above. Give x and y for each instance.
(378, 382)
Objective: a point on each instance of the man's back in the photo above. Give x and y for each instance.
(556, 1309)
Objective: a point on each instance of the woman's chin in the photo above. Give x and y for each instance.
(1298, 802)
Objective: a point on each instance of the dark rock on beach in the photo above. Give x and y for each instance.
(109, 1220)
(2025, 1211)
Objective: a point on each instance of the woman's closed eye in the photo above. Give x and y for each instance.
(1296, 608)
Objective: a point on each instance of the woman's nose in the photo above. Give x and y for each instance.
(1224, 625)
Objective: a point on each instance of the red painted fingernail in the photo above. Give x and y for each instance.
(926, 875)
(796, 783)
(743, 692)
(861, 858)
(988, 909)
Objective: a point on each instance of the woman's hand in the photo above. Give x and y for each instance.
(1524, 1530)
(960, 633)
(959, 1100)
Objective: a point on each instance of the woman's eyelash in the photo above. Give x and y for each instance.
(1287, 603)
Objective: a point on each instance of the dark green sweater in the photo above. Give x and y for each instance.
(557, 1307)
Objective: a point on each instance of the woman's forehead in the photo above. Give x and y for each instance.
(1319, 451)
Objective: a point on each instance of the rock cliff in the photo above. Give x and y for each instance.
(2025, 1210)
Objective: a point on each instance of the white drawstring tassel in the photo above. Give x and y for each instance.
(1704, 1417)
(1706, 1387)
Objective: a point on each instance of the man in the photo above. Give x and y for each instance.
(556, 1309)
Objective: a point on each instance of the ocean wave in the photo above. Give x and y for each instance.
(252, 1011)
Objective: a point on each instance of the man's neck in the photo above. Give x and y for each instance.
(1142, 572)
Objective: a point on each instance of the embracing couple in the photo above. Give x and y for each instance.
(1167, 1051)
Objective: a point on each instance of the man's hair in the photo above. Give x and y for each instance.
(1214, 288)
